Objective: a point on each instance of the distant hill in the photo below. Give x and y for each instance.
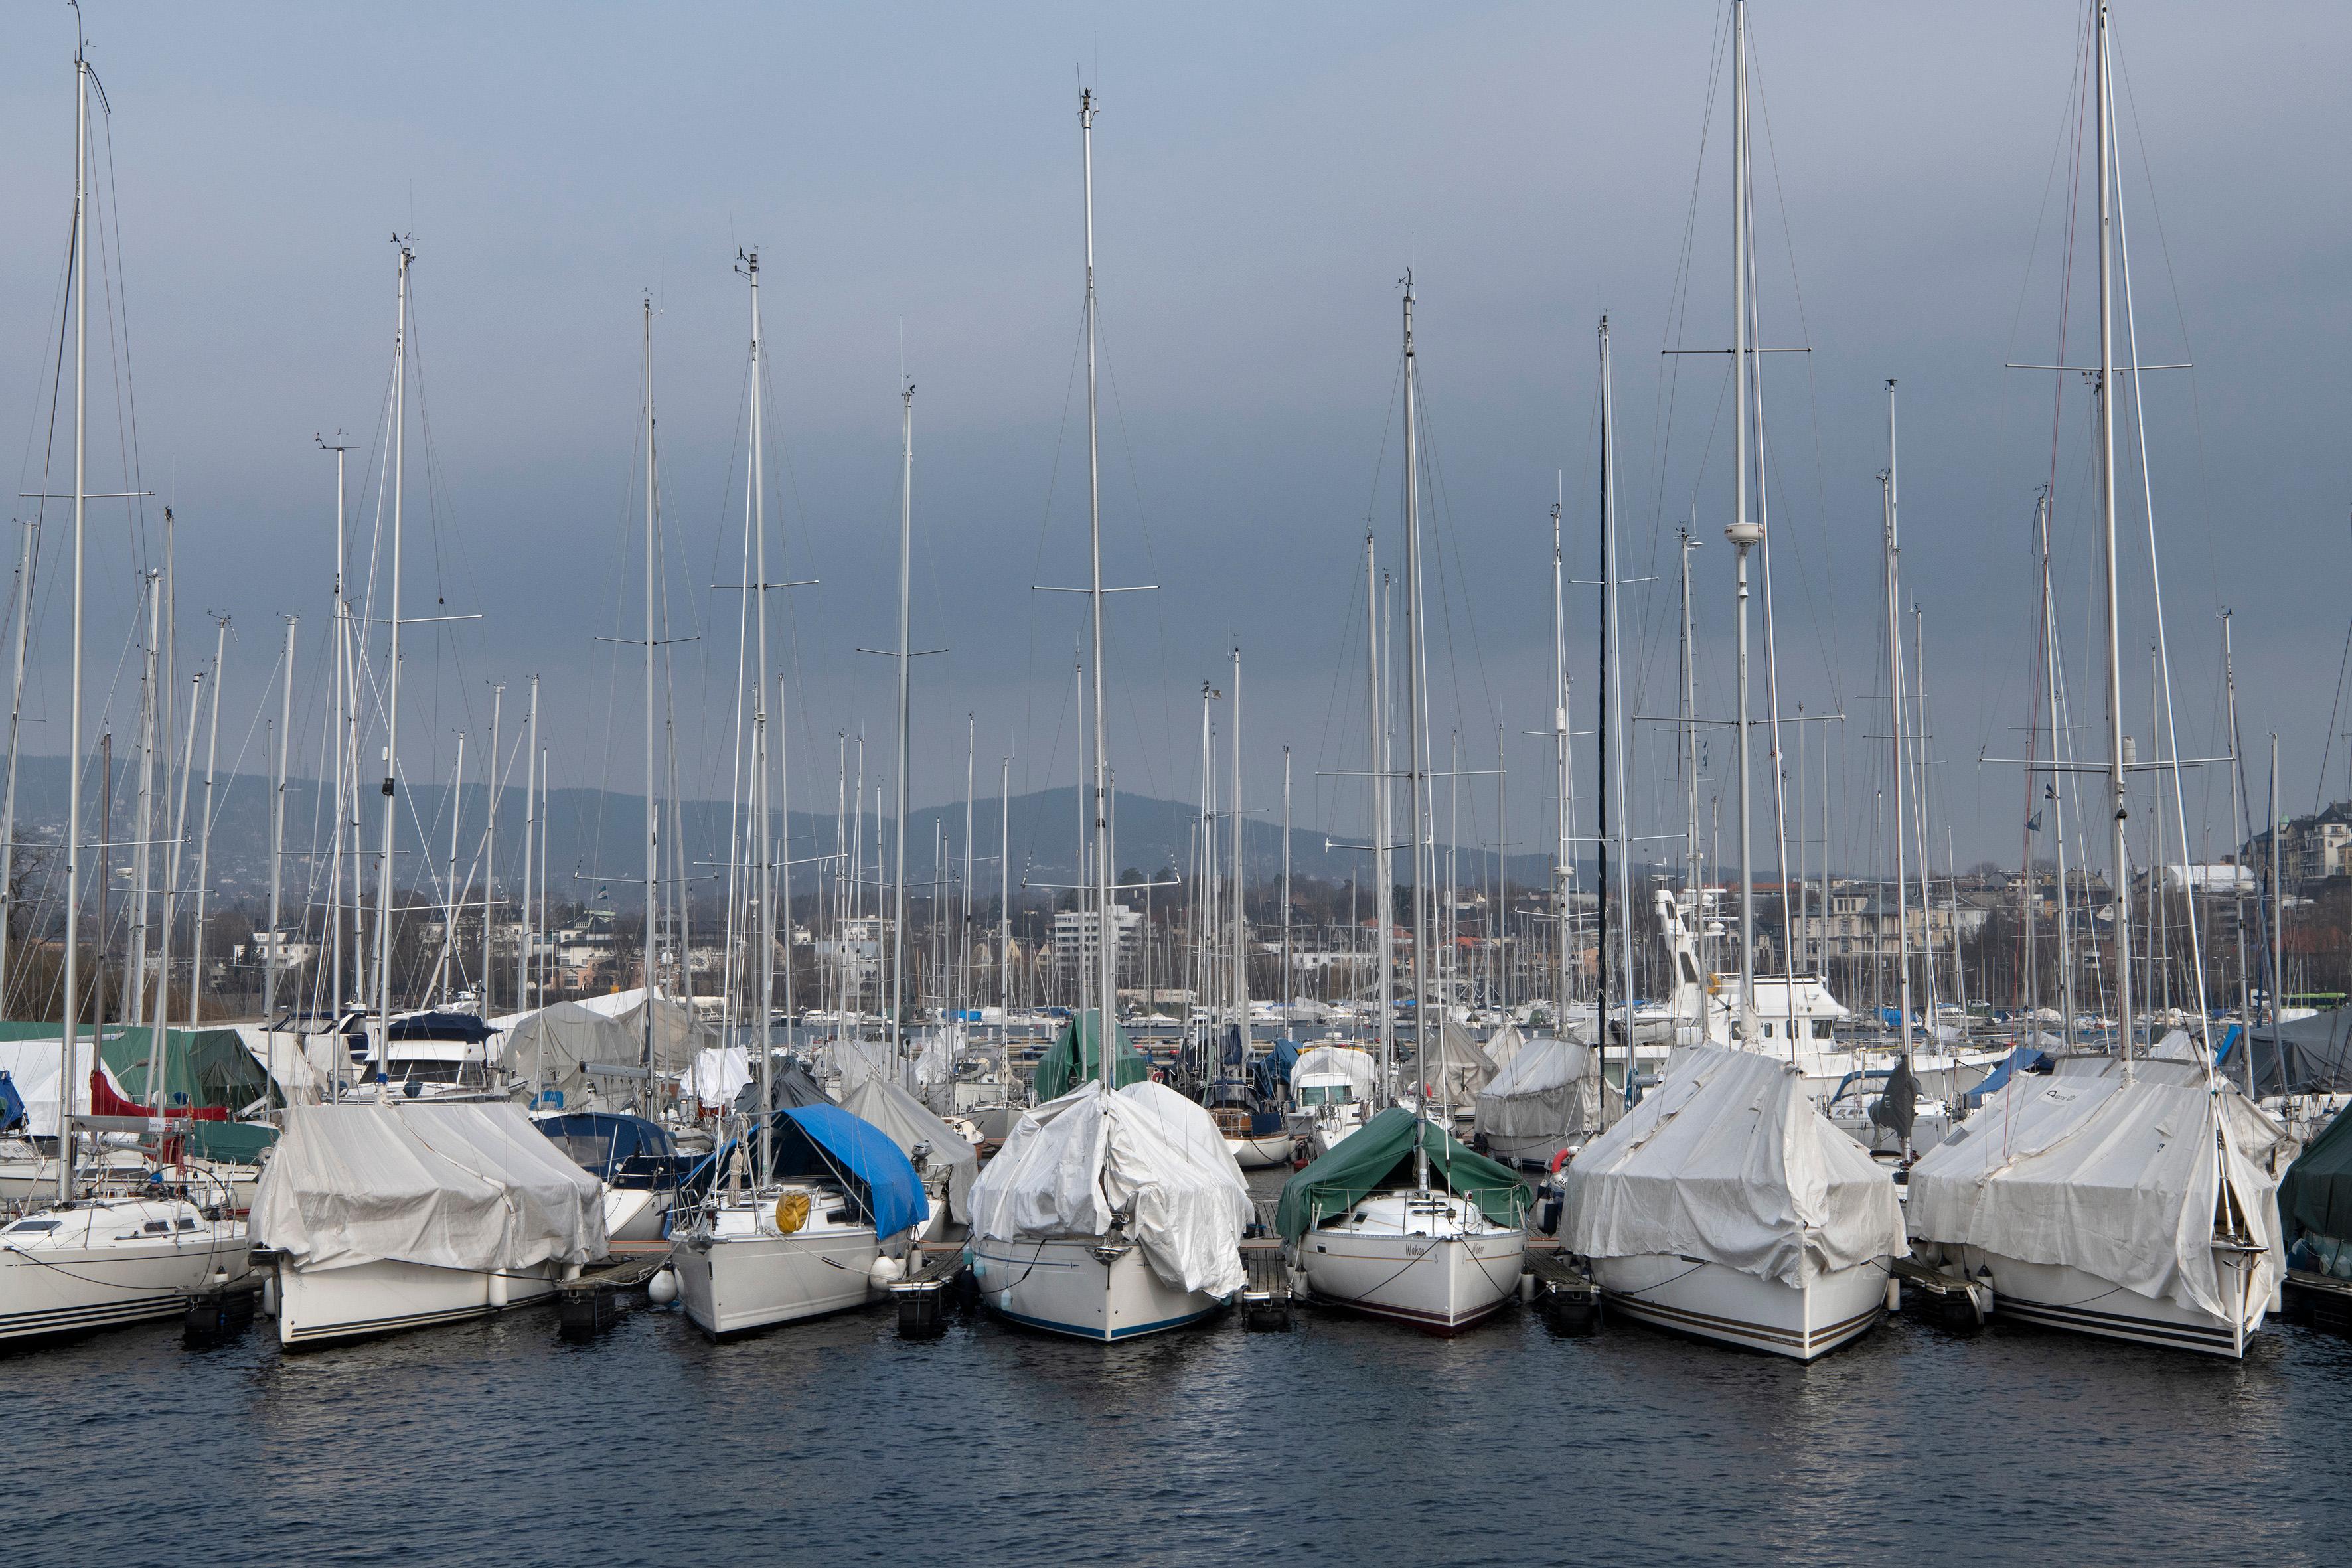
(600, 833)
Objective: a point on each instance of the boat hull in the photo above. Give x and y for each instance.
(2055, 1296)
(74, 1289)
(634, 1214)
(1061, 1285)
(1710, 1301)
(1441, 1285)
(387, 1295)
(733, 1284)
(1264, 1154)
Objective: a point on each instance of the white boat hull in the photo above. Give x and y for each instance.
(1063, 1286)
(634, 1214)
(1710, 1301)
(69, 1290)
(1267, 1154)
(2058, 1296)
(732, 1284)
(319, 1306)
(1453, 1282)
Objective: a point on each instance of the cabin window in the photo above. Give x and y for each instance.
(1690, 970)
(32, 1227)
(1768, 1031)
(186, 1224)
(158, 1227)
(1821, 1029)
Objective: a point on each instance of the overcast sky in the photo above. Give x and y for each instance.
(1263, 177)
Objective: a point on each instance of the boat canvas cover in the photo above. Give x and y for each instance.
(717, 1076)
(304, 1068)
(2315, 1198)
(1454, 1068)
(908, 1122)
(466, 1186)
(555, 1047)
(1075, 1058)
(2305, 1056)
(1504, 1044)
(203, 1069)
(1551, 1089)
(1337, 1062)
(32, 1066)
(858, 1153)
(2112, 1174)
(1729, 1161)
(1378, 1157)
(1074, 1162)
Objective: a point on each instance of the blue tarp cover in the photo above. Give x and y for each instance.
(824, 1140)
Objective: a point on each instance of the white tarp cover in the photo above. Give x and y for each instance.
(718, 1075)
(907, 1121)
(303, 1067)
(1551, 1089)
(1072, 1164)
(2117, 1178)
(32, 1066)
(935, 1056)
(1727, 1159)
(1452, 1068)
(1504, 1043)
(454, 1185)
(677, 1032)
(855, 1059)
(1340, 1061)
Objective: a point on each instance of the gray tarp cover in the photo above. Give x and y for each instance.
(907, 1121)
(1454, 1068)
(1726, 1159)
(2115, 1176)
(466, 1186)
(552, 1046)
(1550, 1088)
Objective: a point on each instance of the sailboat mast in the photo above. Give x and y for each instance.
(391, 705)
(898, 1002)
(1743, 533)
(1285, 991)
(756, 482)
(1383, 876)
(1416, 722)
(652, 797)
(1895, 726)
(142, 851)
(1240, 918)
(1559, 766)
(73, 743)
(1613, 689)
(527, 963)
(1004, 900)
(26, 553)
(449, 912)
(1105, 934)
(276, 823)
(2118, 802)
(490, 782)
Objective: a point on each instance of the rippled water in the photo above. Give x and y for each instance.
(1342, 1441)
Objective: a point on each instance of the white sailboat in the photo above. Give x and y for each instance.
(1385, 1224)
(2122, 1197)
(1109, 1213)
(797, 1220)
(1724, 1204)
(99, 1260)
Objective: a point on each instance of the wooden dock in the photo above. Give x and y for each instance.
(1564, 1289)
(923, 1297)
(2317, 1301)
(589, 1302)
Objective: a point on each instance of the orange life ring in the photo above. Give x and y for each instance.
(1562, 1158)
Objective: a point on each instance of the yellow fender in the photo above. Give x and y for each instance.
(792, 1212)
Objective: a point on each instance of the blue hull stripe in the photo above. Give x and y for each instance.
(1064, 1329)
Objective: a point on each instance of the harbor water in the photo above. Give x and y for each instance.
(1341, 1441)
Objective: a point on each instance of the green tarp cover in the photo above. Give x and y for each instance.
(232, 1142)
(211, 1068)
(2315, 1194)
(1076, 1055)
(1377, 1156)
(203, 1069)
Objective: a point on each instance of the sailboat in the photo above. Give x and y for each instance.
(1401, 1220)
(1111, 1212)
(794, 1216)
(102, 1260)
(383, 1212)
(1724, 1204)
(2127, 1197)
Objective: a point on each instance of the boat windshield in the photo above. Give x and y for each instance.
(1324, 1093)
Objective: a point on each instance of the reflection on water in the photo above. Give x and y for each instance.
(1344, 1440)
